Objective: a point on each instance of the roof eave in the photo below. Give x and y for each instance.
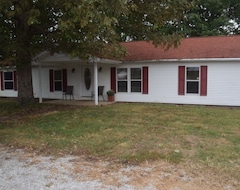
(185, 60)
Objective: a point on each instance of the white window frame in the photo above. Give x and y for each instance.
(137, 80)
(192, 80)
(123, 79)
(129, 79)
(60, 80)
(12, 80)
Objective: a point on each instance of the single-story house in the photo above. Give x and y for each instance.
(201, 70)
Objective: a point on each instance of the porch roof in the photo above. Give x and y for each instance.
(46, 58)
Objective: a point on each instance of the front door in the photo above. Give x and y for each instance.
(87, 80)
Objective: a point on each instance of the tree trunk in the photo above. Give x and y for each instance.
(25, 87)
(23, 61)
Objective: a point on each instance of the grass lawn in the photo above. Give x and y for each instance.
(128, 132)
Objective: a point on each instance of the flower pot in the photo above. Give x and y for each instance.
(111, 98)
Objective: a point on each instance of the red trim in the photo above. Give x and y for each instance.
(15, 80)
(203, 83)
(64, 80)
(1, 77)
(145, 80)
(181, 80)
(113, 78)
(51, 80)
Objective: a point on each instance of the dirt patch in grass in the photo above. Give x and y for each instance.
(24, 113)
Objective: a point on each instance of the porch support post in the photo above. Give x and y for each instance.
(40, 82)
(96, 83)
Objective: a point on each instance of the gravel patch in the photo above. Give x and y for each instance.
(21, 170)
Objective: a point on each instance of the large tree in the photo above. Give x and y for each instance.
(209, 18)
(81, 28)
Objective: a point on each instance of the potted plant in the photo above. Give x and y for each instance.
(110, 94)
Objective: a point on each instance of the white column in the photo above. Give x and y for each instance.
(40, 82)
(96, 82)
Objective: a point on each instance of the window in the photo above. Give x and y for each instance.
(58, 80)
(192, 80)
(122, 80)
(136, 81)
(8, 80)
(129, 79)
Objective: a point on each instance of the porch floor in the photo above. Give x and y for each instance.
(77, 102)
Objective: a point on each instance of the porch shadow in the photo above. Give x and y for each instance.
(77, 102)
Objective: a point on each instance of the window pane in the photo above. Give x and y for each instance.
(9, 85)
(193, 73)
(136, 86)
(58, 86)
(136, 73)
(122, 74)
(192, 87)
(122, 86)
(8, 75)
(58, 75)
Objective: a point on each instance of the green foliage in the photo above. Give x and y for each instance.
(81, 28)
(209, 18)
(110, 92)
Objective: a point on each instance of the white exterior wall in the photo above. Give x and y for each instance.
(8, 93)
(222, 87)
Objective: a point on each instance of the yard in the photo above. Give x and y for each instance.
(203, 138)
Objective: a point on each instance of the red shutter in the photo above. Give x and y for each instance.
(1, 77)
(64, 80)
(113, 78)
(145, 80)
(15, 80)
(181, 80)
(51, 80)
(203, 82)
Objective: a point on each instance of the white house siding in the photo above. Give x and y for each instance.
(8, 93)
(104, 78)
(223, 84)
(222, 87)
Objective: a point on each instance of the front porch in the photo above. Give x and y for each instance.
(52, 74)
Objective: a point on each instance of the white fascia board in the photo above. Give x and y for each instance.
(188, 60)
(13, 67)
(104, 61)
(109, 61)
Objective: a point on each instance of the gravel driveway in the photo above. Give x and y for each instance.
(21, 170)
